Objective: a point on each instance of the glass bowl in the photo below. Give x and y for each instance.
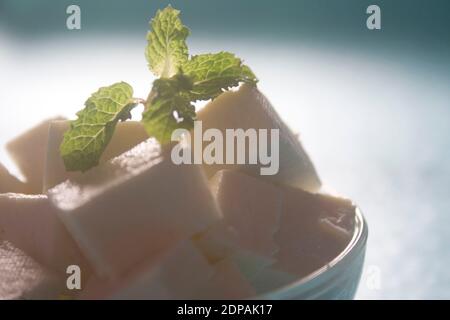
(338, 279)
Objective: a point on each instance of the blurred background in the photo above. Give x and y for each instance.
(372, 106)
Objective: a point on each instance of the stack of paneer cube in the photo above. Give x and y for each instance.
(141, 227)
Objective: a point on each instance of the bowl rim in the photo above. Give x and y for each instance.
(356, 244)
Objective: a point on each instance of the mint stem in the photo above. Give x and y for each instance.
(150, 97)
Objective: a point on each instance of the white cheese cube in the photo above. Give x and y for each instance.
(31, 224)
(9, 183)
(29, 150)
(182, 272)
(300, 230)
(314, 229)
(23, 278)
(248, 108)
(251, 264)
(221, 242)
(176, 273)
(134, 206)
(217, 242)
(251, 207)
(227, 282)
(127, 135)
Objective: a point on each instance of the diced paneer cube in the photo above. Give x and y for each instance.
(227, 282)
(29, 151)
(314, 229)
(219, 241)
(251, 207)
(133, 207)
(127, 135)
(248, 108)
(23, 278)
(250, 263)
(177, 274)
(181, 272)
(221, 245)
(300, 230)
(31, 224)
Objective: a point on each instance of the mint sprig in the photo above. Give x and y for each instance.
(169, 106)
(166, 50)
(89, 135)
(213, 73)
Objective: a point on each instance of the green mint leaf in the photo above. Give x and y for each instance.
(213, 73)
(166, 50)
(88, 136)
(169, 109)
